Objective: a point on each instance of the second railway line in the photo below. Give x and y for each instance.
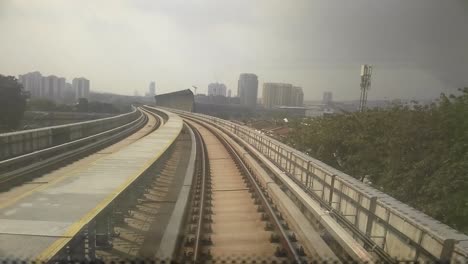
(24, 177)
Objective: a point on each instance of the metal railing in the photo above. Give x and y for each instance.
(374, 218)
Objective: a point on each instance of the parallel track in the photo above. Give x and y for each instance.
(23, 172)
(226, 221)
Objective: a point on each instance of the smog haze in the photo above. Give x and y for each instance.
(418, 47)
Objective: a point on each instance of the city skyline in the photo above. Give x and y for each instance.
(217, 89)
(67, 87)
(54, 87)
(320, 49)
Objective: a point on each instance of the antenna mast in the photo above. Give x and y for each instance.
(366, 72)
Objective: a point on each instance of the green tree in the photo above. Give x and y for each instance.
(12, 102)
(418, 154)
(82, 105)
(41, 104)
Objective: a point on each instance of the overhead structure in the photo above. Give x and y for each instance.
(182, 100)
(366, 72)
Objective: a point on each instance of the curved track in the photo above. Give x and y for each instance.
(27, 183)
(231, 217)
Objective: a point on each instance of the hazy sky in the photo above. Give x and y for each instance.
(419, 47)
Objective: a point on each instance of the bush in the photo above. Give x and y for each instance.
(12, 103)
(417, 154)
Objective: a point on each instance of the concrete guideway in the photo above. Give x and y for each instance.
(21, 169)
(18, 143)
(141, 231)
(39, 225)
(23, 190)
(364, 215)
(235, 228)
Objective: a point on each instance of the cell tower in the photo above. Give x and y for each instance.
(366, 72)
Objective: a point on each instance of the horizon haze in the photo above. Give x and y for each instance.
(418, 48)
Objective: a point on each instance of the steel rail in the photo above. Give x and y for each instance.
(343, 221)
(162, 116)
(204, 175)
(31, 157)
(288, 245)
(159, 119)
(11, 178)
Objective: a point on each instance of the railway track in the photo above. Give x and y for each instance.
(231, 216)
(88, 197)
(21, 169)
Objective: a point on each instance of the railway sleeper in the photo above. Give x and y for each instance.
(255, 193)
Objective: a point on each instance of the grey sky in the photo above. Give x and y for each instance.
(419, 47)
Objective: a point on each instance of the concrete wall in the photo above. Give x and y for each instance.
(39, 119)
(26, 141)
(399, 230)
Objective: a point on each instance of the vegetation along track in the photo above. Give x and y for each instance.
(231, 217)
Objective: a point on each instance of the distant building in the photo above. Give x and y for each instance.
(61, 86)
(276, 94)
(216, 89)
(282, 94)
(68, 87)
(31, 82)
(152, 89)
(247, 89)
(50, 87)
(81, 87)
(68, 94)
(297, 96)
(229, 93)
(234, 100)
(327, 98)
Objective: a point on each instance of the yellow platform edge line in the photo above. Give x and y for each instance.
(49, 184)
(56, 246)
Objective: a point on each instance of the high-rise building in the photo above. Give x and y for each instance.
(81, 87)
(152, 89)
(327, 98)
(217, 89)
(276, 94)
(297, 96)
(247, 89)
(60, 91)
(68, 94)
(31, 82)
(282, 94)
(50, 87)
